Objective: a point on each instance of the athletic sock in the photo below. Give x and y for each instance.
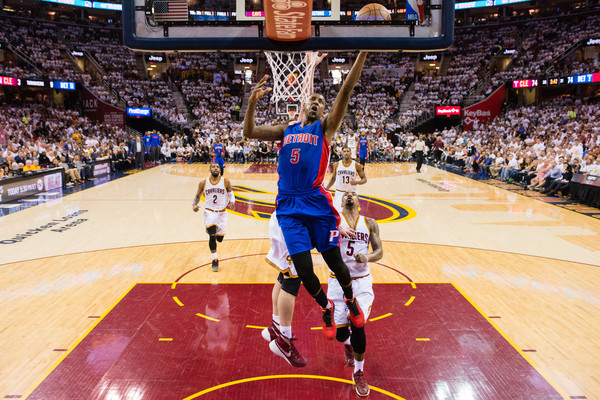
(286, 331)
(214, 255)
(276, 319)
(358, 365)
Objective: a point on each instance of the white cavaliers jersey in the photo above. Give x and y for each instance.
(351, 143)
(215, 196)
(358, 245)
(344, 175)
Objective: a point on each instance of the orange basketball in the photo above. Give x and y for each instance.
(373, 12)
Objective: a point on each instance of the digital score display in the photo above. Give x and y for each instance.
(9, 81)
(553, 81)
(63, 85)
(525, 83)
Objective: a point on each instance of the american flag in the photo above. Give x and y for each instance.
(174, 10)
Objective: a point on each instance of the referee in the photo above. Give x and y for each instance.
(419, 149)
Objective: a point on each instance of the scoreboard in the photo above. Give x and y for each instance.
(557, 80)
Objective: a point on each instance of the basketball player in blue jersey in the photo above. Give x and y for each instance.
(363, 148)
(304, 208)
(218, 151)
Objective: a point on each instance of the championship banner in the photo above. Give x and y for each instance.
(288, 20)
(96, 109)
(485, 110)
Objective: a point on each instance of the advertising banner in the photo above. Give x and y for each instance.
(12, 189)
(447, 111)
(101, 168)
(96, 109)
(288, 20)
(485, 110)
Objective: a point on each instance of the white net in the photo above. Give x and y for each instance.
(293, 75)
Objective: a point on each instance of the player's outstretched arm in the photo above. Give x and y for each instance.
(195, 205)
(332, 179)
(264, 132)
(361, 173)
(338, 109)
(375, 242)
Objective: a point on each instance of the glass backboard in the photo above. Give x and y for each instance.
(238, 25)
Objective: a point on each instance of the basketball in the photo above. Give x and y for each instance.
(373, 12)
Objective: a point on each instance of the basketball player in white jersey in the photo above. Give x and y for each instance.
(352, 144)
(218, 195)
(345, 173)
(355, 252)
(286, 288)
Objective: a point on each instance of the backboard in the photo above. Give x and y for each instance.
(238, 25)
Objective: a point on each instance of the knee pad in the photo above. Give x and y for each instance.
(280, 278)
(291, 286)
(358, 339)
(342, 334)
(220, 238)
(212, 243)
(212, 230)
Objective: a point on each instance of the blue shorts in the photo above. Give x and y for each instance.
(362, 154)
(308, 220)
(219, 160)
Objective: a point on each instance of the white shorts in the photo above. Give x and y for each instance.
(363, 290)
(216, 218)
(278, 255)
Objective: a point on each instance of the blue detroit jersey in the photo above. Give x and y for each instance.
(218, 148)
(303, 158)
(362, 144)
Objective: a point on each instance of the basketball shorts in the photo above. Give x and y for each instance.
(278, 255)
(363, 290)
(362, 154)
(216, 218)
(220, 161)
(308, 221)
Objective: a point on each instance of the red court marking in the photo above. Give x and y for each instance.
(122, 357)
(262, 169)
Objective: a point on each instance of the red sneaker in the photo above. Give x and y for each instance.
(360, 384)
(349, 355)
(285, 348)
(270, 333)
(356, 314)
(329, 328)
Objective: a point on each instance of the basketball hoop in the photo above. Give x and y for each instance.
(293, 77)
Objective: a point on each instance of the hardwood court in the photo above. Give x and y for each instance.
(528, 268)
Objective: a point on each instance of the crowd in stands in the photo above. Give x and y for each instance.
(38, 40)
(532, 146)
(522, 145)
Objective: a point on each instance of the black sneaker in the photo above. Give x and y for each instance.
(215, 265)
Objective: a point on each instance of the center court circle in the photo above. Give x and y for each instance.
(268, 377)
